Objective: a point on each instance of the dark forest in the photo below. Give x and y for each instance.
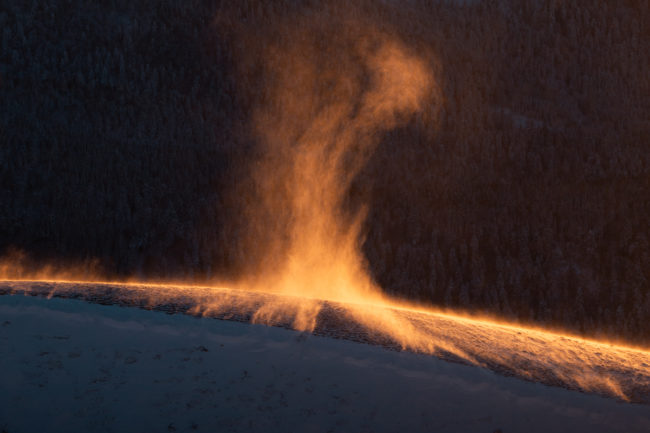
(124, 138)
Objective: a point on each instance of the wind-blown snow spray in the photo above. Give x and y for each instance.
(332, 88)
(333, 85)
(323, 114)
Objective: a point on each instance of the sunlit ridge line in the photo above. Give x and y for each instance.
(117, 283)
(387, 304)
(528, 329)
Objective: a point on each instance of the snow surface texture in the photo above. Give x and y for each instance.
(535, 355)
(67, 366)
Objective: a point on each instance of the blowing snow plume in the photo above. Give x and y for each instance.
(332, 87)
(16, 264)
(323, 88)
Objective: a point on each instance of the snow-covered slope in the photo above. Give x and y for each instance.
(533, 354)
(67, 365)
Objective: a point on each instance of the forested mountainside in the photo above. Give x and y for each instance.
(125, 137)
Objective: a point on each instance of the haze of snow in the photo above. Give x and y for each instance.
(67, 365)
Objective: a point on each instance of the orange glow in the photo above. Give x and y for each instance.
(18, 265)
(323, 112)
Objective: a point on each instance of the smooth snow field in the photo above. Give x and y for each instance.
(71, 366)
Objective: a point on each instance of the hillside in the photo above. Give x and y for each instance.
(128, 370)
(128, 141)
(532, 354)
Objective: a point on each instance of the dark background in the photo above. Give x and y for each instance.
(123, 137)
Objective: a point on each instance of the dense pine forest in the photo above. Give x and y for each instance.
(125, 138)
